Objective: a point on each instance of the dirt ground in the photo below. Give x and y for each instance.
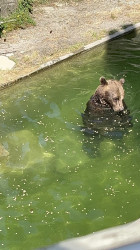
(63, 27)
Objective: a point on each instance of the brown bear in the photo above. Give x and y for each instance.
(106, 112)
(109, 94)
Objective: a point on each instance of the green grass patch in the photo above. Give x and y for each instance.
(20, 18)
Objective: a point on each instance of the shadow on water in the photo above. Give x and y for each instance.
(116, 52)
(111, 126)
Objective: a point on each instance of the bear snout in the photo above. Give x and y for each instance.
(118, 107)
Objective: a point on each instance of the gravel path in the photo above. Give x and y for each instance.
(63, 27)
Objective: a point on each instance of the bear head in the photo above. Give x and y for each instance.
(111, 92)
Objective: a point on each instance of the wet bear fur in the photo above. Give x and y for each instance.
(106, 112)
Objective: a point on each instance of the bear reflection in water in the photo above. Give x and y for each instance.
(106, 114)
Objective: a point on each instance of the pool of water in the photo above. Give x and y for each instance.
(51, 186)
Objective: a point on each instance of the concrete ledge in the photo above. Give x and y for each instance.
(125, 237)
(70, 55)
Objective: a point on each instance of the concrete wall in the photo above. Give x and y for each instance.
(7, 7)
(125, 237)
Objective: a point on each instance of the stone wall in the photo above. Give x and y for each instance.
(125, 237)
(7, 7)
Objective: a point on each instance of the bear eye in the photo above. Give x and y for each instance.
(116, 99)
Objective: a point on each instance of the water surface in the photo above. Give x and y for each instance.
(51, 186)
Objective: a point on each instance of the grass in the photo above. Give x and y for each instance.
(20, 18)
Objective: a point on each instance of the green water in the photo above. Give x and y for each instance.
(51, 189)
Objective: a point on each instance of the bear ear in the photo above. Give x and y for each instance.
(103, 81)
(122, 81)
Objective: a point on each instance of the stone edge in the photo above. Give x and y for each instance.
(118, 238)
(70, 55)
